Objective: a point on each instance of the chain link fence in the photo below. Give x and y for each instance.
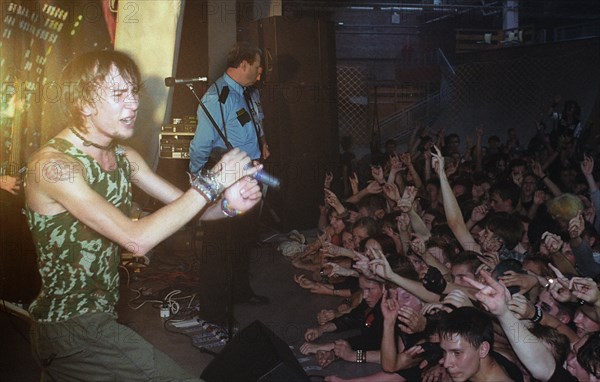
(352, 103)
(514, 88)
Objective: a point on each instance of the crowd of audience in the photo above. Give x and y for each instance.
(473, 265)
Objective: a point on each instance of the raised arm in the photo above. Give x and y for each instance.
(533, 354)
(381, 268)
(536, 168)
(372, 188)
(587, 167)
(451, 208)
(407, 160)
(61, 186)
(584, 257)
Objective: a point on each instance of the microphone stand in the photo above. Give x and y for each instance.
(229, 308)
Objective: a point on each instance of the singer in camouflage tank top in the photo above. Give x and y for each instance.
(78, 266)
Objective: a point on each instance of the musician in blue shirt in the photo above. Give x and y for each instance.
(225, 254)
(238, 119)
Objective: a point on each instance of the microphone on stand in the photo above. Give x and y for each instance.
(172, 81)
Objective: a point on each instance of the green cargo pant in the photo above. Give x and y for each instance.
(94, 347)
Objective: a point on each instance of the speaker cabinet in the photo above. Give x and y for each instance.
(255, 354)
(298, 97)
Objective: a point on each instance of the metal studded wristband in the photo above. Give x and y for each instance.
(537, 317)
(207, 185)
(360, 358)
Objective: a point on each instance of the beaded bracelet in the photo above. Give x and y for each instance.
(229, 211)
(207, 185)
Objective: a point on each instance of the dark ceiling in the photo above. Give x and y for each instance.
(555, 12)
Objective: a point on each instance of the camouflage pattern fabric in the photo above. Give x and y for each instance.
(78, 266)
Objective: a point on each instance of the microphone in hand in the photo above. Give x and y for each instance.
(265, 178)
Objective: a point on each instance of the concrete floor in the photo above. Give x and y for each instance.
(290, 311)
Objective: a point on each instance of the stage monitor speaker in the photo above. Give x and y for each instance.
(255, 354)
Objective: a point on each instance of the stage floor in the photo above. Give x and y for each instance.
(290, 311)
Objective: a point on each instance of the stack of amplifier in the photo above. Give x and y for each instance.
(175, 138)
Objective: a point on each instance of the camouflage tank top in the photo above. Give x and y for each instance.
(78, 266)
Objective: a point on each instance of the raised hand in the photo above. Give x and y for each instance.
(410, 193)
(374, 188)
(343, 350)
(328, 179)
(330, 250)
(418, 245)
(557, 272)
(332, 200)
(377, 173)
(312, 334)
(490, 259)
(380, 266)
(457, 298)
(325, 357)
(406, 159)
(586, 289)
(576, 226)
(363, 265)
(338, 270)
(552, 242)
(494, 296)
(428, 155)
(559, 287)
(525, 282)
(410, 321)
(353, 179)
(479, 213)
(536, 168)
(432, 307)
(438, 161)
(389, 305)
(390, 190)
(405, 205)
(521, 307)
(353, 216)
(389, 231)
(403, 222)
(395, 164)
(304, 282)
(323, 209)
(324, 316)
